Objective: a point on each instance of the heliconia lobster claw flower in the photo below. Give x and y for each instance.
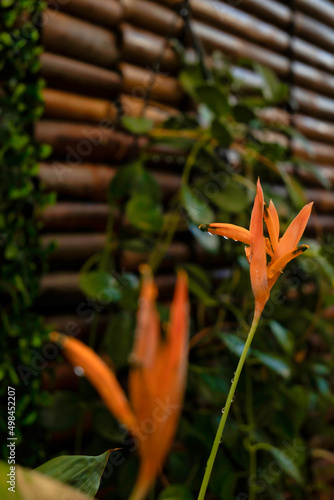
(158, 376)
(156, 382)
(264, 274)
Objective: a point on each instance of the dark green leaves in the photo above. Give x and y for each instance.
(101, 286)
(275, 363)
(233, 199)
(176, 492)
(196, 206)
(81, 472)
(144, 213)
(220, 131)
(286, 462)
(214, 98)
(273, 90)
(242, 113)
(133, 179)
(137, 125)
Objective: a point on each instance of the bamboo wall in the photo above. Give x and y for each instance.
(104, 57)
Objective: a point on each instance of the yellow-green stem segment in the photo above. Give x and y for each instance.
(230, 397)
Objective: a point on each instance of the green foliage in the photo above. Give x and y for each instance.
(22, 259)
(285, 392)
(81, 472)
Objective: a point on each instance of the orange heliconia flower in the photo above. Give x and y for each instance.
(157, 379)
(264, 274)
(156, 382)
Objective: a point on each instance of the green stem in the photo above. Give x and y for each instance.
(252, 473)
(229, 400)
(251, 424)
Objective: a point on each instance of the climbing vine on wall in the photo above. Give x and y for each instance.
(22, 258)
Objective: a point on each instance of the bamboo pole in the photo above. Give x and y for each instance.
(65, 105)
(315, 56)
(273, 11)
(78, 143)
(107, 13)
(142, 83)
(79, 39)
(226, 17)
(214, 39)
(91, 181)
(59, 104)
(311, 29)
(76, 76)
(314, 128)
(323, 10)
(75, 216)
(313, 103)
(152, 17)
(147, 49)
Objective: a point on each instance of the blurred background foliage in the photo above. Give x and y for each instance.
(281, 417)
(22, 331)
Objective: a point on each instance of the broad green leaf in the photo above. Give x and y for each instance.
(242, 113)
(119, 336)
(32, 485)
(273, 90)
(199, 284)
(79, 471)
(283, 336)
(101, 286)
(236, 346)
(220, 131)
(137, 125)
(131, 179)
(273, 362)
(233, 343)
(191, 79)
(144, 213)
(214, 98)
(287, 463)
(232, 199)
(196, 207)
(176, 492)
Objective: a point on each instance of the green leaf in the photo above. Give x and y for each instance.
(273, 362)
(232, 199)
(81, 472)
(144, 213)
(101, 286)
(197, 208)
(219, 131)
(31, 485)
(287, 463)
(214, 98)
(119, 336)
(283, 336)
(233, 343)
(132, 179)
(191, 79)
(236, 346)
(176, 492)
(243, 114)
(137, 125)
(273, 90)
(199, 283)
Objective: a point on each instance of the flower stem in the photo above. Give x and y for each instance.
(229, 400)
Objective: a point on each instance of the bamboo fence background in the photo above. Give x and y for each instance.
(106, 57)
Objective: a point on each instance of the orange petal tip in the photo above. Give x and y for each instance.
(57, 338)
(204, 227)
